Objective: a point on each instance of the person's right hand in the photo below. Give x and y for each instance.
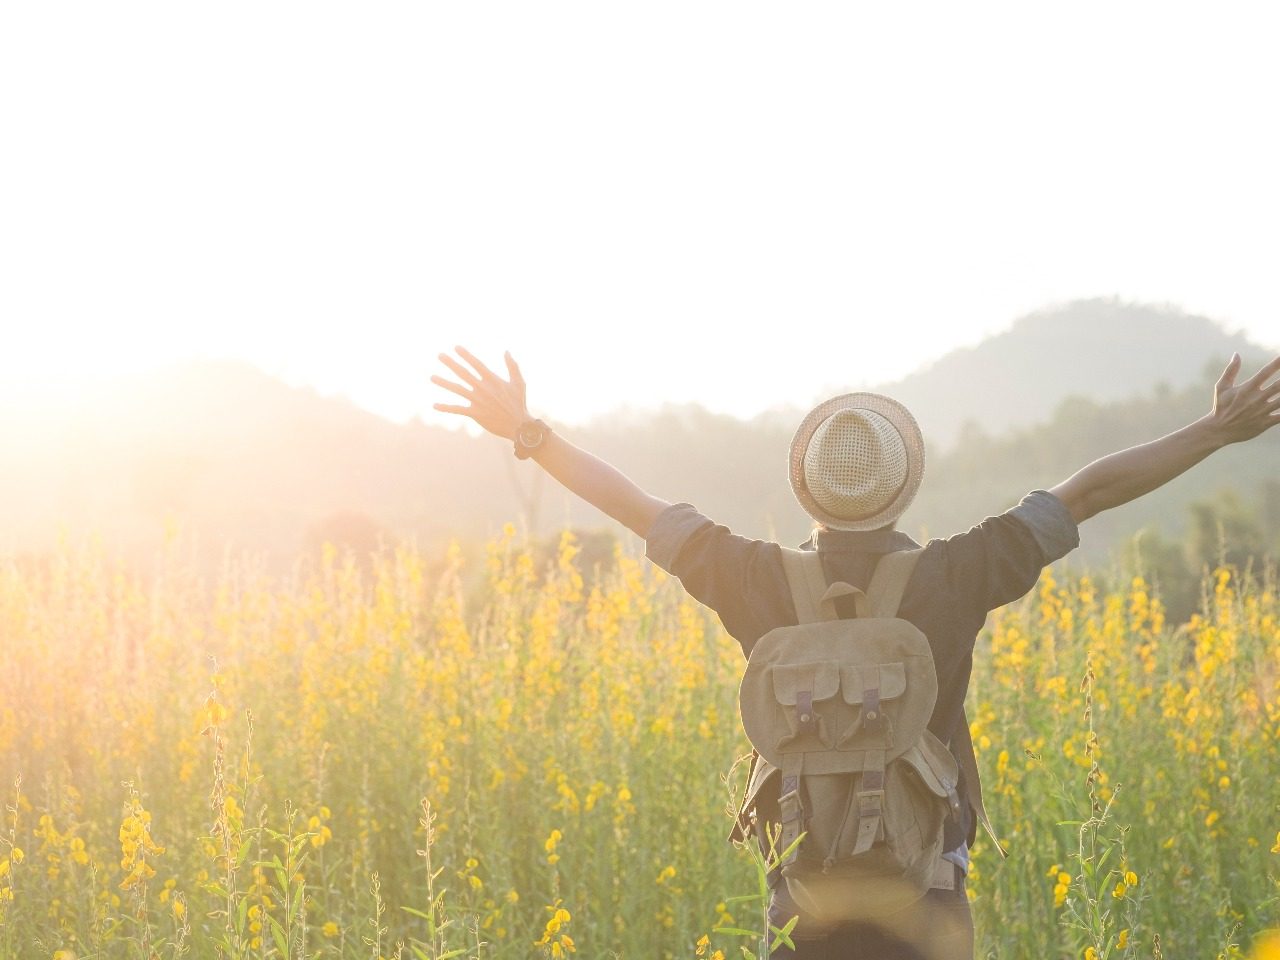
(497, 405)
(1243, 412)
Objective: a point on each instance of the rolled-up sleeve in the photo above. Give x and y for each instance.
(1050, 523)
(670, 531)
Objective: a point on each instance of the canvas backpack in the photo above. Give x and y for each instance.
(837, 711)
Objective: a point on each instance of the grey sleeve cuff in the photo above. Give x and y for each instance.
(1050, 523)
(670, 530)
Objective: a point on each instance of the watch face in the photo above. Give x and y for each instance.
(531, 434)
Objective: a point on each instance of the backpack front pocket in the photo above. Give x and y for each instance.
(870, 691)
(805, 694)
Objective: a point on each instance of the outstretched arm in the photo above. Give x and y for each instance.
(1239, 413)
(498, 405)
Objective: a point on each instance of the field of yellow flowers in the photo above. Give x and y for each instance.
(419, 757)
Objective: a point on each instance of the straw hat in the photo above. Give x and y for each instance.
(857, 461)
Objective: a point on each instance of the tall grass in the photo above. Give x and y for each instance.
(369, 761)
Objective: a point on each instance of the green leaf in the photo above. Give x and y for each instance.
(241, 912)
(277, 933)
(416, 913)
(784, 934)
(790, 849)
(734, 931)
(243, 853)
(745, 898)
(299, 897)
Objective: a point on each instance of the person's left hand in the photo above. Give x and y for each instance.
(497, 405)
(1242, 412)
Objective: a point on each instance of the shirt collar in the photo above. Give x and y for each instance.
(859, 541)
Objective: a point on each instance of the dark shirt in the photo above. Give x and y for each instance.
(956, 582)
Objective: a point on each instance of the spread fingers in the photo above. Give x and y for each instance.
(1265, 374)
(462, 372)
(452, 387)
(468, 356)
(451, 408)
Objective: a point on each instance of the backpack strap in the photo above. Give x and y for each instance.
(889, 582)
(962, 748)
(815, 601)
(808, 586)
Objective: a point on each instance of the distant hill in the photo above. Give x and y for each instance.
(1104, 349)
(234, 459)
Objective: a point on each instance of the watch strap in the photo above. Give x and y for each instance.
(530, 435)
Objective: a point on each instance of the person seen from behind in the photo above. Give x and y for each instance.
(863, 787)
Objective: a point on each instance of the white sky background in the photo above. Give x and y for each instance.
(621, 194)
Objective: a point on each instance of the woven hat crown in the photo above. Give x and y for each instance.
(856, 461)
(855, 464)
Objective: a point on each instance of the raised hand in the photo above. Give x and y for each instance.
(497, 405)
(1242, 412)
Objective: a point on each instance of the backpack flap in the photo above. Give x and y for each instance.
(833, 691)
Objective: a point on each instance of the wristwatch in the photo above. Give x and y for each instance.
(530, 435)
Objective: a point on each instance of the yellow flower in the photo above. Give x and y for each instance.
(702, 944)
(1120, 890)
(1131, 878)
(179, 908)
(330, 929)
(1090, 953)
(1123, 940)
(1267, 946)
(1276, 848)
(18, 855)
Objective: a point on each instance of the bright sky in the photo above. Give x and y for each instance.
(624, 195)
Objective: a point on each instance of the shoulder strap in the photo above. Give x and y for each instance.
(808, 585)
(815, 601)
(889, 582)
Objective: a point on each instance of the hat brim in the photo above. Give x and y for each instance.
(912, 439)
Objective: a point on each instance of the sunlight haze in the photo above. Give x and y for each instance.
(736, 205)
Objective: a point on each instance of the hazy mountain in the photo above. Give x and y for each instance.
(1103, 349)
(233, 458)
